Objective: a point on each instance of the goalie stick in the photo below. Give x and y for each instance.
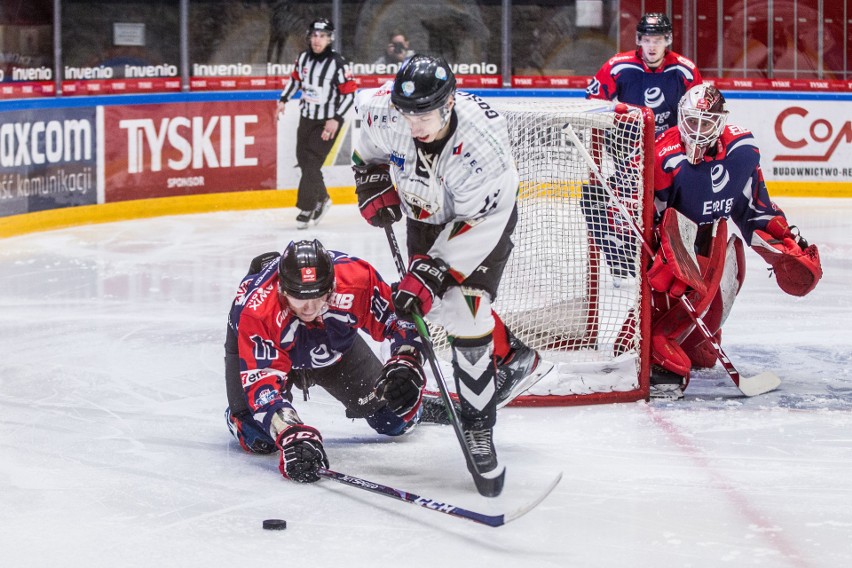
(441, 507)
(479, 480)
(749, 386)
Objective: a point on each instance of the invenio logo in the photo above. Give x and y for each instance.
(794, 129)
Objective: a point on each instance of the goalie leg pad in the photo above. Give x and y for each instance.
(699, 351)
(669, 355)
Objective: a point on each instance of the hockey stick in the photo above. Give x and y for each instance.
(749, 386)
(479, 480)
(399, 494)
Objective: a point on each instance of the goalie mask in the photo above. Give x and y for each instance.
(305, 270)
(701, 117)
(422, 85)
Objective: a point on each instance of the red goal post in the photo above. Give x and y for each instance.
(575, 286)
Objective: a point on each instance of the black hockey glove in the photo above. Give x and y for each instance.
(377, 197)
(425, 280)
(401, 384)
(301, 453)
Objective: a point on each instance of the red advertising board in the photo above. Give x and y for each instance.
(165, 150)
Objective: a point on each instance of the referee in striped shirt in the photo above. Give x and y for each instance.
(328, 90)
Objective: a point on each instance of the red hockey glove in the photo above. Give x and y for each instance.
(401, 384)
(424, 281)
(796, 264)
(662, 278)
(301, 453)
(377, 198)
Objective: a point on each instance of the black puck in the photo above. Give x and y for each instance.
(274, 524)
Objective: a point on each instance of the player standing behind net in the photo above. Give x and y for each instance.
(709, 172)
(652, 76)
(456, 182)
(328, 89)
(295, 321)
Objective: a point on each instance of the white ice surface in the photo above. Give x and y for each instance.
(114, 452)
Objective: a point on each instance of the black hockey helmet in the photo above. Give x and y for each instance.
(305, 270)
(654, 23)
(423, 84)
(321, 25)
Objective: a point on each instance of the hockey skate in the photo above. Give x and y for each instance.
(665, 385)
(303, 219)
(519, 371)
(320, 210)
(434, 411)
(489, 482)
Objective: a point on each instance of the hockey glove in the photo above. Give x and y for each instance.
(424, 281)
(401, 384)
(662, 278)
(301, 453)
(377, 198)
(796, 264)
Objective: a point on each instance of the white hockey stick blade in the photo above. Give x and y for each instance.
(523, 510)
(759, 384)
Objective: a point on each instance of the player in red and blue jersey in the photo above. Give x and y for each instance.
(709, 172)
(652, 75)
(295, 322)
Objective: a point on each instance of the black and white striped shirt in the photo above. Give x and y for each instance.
(328, 87)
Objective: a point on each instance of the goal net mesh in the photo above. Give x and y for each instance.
(572, 288)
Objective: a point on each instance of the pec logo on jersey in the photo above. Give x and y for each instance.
(654, 97)
(309, 274)
(458, 149)
(720, 177)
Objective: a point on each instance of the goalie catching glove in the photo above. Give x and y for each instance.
(378, 200)
(302, 453)
(401, 384)
(796, 264)
(424, 281)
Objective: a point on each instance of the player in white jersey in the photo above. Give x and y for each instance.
(443, 158)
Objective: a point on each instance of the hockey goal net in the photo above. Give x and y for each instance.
(574, 288)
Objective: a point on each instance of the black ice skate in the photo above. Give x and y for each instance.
(489, 482)
(519, 371)
(303, 218)
(434, 411)
(320, 210)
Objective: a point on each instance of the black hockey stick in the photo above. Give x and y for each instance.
(482, 483)
(749, 386)
(441, 507)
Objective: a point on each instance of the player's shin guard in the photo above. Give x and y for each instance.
(476, 383)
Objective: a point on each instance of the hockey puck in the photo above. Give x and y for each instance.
(274, 524)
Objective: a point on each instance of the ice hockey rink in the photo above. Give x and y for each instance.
(114, 451)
